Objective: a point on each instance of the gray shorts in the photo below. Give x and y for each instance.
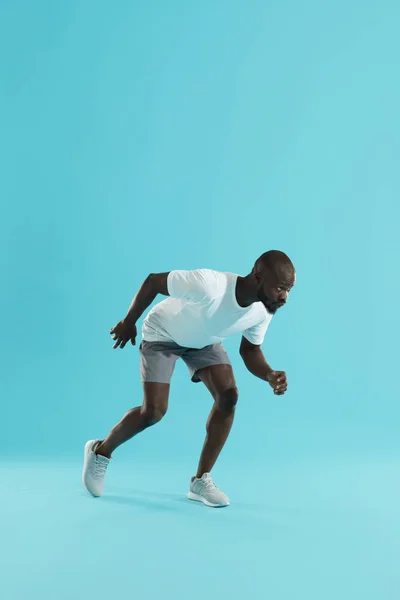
(157, 360)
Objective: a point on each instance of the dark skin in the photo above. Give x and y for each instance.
(268, 285)
(271, 286)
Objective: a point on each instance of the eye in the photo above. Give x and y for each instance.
(279, 289)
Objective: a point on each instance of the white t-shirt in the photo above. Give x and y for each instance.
(203, 310)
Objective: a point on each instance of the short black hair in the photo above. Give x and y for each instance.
(276, 261)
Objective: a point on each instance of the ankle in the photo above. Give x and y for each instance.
(102, 451)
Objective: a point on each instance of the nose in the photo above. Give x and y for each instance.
(283, 296)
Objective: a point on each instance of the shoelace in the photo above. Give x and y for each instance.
(209, 484)
(100, 468)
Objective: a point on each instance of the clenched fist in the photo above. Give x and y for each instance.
(278, 381)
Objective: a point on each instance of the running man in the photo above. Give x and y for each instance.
(204, 307)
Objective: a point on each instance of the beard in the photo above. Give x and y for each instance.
(271, 305)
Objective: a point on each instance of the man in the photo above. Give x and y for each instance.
(204, 307)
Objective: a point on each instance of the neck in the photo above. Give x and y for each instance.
(245, 293)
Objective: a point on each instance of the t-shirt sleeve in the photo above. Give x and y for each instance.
(256, 334)
(194, 286)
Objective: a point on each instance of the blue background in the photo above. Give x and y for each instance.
(147, 136)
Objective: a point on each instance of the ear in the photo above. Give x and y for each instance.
(258, 277)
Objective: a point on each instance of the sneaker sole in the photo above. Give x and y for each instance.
(197, 498)
(86, 454)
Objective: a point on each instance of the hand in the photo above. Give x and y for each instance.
(278, 382)
(123, 332)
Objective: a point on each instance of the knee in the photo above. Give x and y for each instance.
(226, 400)
(153, 414)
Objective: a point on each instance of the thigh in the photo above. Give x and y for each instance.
(157, 361)
(156, 396)
(204, 358)
(218, 379)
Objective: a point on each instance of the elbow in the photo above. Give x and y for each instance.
(148, 281)
(247, 353)
(246, 359)
(246, 349)
(244, 354)
(151, 282)
(158, 283)
(243, 349)
(153, 279)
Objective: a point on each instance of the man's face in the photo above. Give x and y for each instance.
(274, 289)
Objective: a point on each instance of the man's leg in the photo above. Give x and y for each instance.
(97, 454)
(220, 381)
(154, 407)
(156, 367)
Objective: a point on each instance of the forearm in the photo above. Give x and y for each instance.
(142, 300)
(256, 363)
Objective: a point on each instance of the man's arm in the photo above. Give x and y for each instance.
(254, 359)
(154, 284)
(125, 330)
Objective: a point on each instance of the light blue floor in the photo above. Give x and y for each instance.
(318, 531)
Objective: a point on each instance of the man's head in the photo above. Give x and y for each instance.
(274, 276)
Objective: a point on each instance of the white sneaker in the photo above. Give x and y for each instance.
(204, 490)
(94, 469)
